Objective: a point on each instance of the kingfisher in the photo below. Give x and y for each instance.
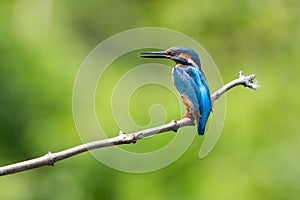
(190, 82)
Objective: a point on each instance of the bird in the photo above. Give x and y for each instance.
(190, 81)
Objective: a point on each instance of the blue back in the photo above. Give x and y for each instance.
(191, 83)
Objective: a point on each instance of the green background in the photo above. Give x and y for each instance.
(44, 42)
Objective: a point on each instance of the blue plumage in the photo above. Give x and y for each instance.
(190, 82)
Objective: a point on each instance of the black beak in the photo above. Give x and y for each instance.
(155, 54)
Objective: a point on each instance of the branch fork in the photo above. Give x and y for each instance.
(249, 81)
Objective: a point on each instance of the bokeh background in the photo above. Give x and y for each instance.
(44, 42)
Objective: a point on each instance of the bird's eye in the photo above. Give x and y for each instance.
(171, 53)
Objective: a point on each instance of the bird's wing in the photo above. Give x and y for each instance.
(187, 88)
(203, 96)
(191, 83)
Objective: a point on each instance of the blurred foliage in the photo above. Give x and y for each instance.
(43, 43)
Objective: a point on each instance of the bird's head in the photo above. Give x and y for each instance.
(180, 55)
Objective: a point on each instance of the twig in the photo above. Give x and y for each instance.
(246, 81)
(122, 138)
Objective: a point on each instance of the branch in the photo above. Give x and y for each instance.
(122, 138)
(246, 81)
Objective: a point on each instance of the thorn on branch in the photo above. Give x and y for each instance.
(129, 138)
(241, 74)
(50, 158)
(176, 126)
(121, 132)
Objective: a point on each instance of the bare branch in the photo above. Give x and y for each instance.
(246, 81)
(122, 138)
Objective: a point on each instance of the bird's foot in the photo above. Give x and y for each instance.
(187, 115)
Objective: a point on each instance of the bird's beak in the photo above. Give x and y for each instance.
(155, 54)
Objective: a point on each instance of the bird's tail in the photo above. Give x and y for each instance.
(201, 122)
